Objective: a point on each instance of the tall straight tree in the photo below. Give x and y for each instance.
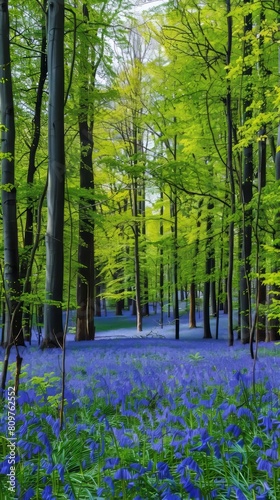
(13, 332)
(247, 185)
(53, 324)
(85, 281)
(28, 238)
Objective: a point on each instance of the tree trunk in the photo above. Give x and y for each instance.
(12, 330)
(53, 325)
(28, 239)
(206, 289)
(136, 257)
(161, 265)
(85, 329)
(229, 279)
(247, 192)
(192, 315)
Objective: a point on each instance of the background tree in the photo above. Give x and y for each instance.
(53, 325)
(13, 331)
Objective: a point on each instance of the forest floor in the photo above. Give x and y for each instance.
(110, 326)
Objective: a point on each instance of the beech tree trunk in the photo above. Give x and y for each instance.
(12, 330)
(247, 193)
(206, 288)
(85, 329)
(53, 324)
(29, 221)
(161, 265)
(229, 279)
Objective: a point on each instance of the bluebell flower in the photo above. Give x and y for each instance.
(60, 469)
(163, 471)
(258, 441)
(233, 429)
(123, 473)
(55, 425)
(111, 463)
(239, 494)
(194, 492)
(272, 453)
(265, 466)
(30, 493)
(68, 491)
(47, 493)
(191, 464)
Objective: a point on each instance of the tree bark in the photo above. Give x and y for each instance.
(229, 279)
(206, 289)
(247, 192)
(28, 240)
(53, 324)
(85, 329)
(12, 330)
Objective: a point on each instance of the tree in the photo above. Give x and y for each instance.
(13, 331)
(85, 280)
(53, 325)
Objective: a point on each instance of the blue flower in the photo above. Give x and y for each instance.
(30, 493)
(234, 429)
(189, 463)
(47, 493)
(239, 494)
(258, 441)
(163, 471)
(265, 465)
(111, 463)
(69, 492)
(123, 474)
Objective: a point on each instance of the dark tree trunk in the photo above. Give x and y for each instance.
(230, 174)
(192, 315)
(247, 193)
(13, 332)
(206, 289)
(119, 307)
(161, 265)
(136, 231)
(213, 286)
(85, 329)
(53, 325)
(175, 271)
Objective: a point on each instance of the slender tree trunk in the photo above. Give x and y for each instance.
(13, 332)
(136, 232)
(176, 315)
(247, 193)
(161, 265)
(229, 280)
(213, 284)
(192, 315)
(142, 212)
(206, 289)
(53, 324)
(28, 240)
(85, 329)
(273, 330)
